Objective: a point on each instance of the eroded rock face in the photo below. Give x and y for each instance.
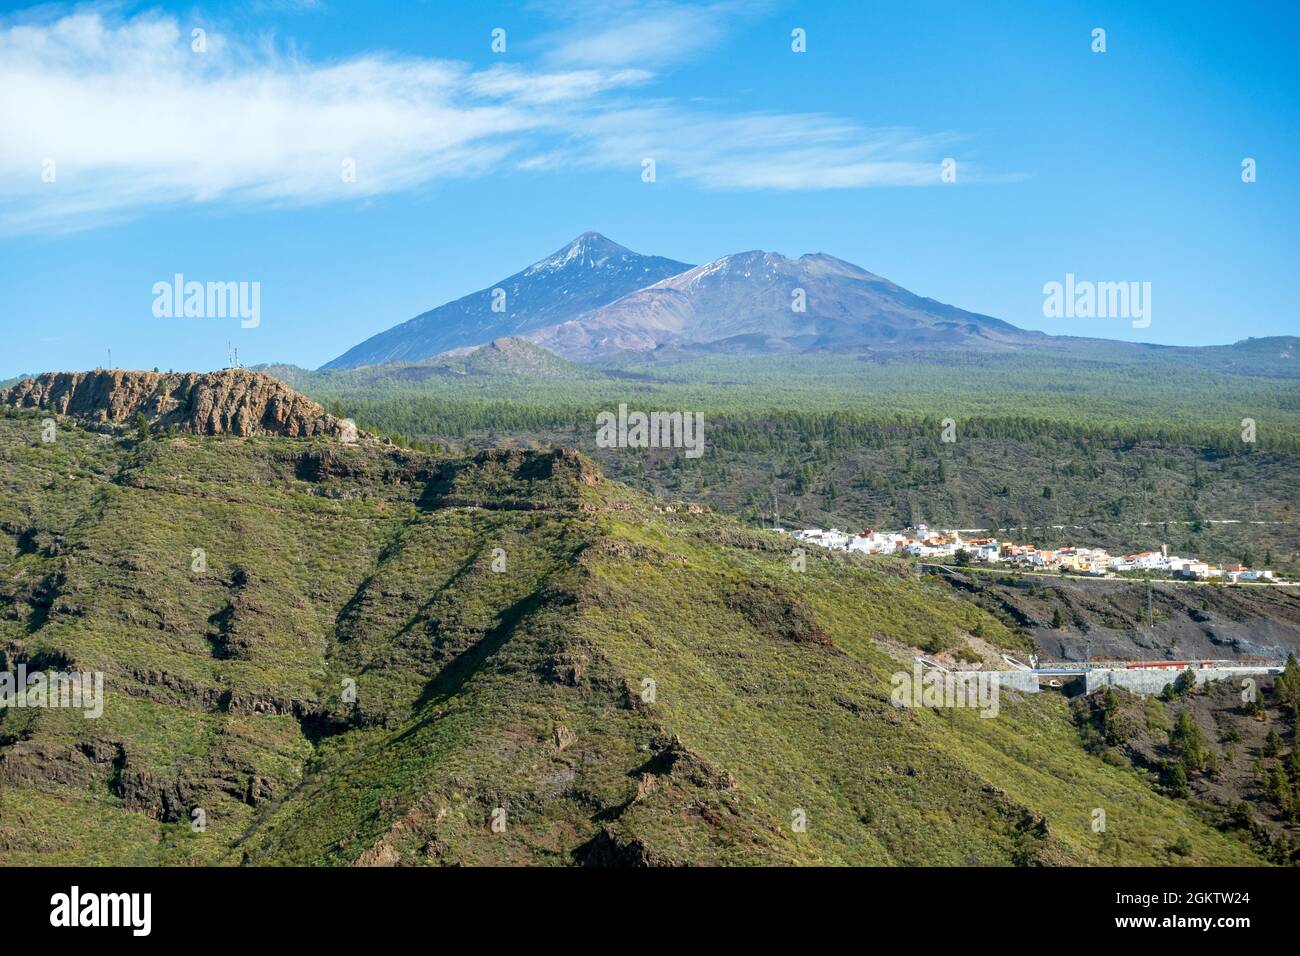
(229, 402)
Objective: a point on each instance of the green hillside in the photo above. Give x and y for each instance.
(477, 691)
(1123, 448)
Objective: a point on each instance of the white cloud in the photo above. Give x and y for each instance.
(524, 86)
(132, 119)
(656, 33)
(762, 150)
(130, 115)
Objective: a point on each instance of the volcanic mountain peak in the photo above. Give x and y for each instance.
(590, 250)
(758, 264)
(766, 302)
(233, 401)
(743, 264)
(587, 273)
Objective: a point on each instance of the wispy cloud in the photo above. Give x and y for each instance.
(646, 34)
(132, 118)
(788, 151)
(130, 115)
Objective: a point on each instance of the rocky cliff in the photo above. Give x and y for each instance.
(229, 402)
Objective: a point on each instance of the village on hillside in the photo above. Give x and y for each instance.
(923, 542)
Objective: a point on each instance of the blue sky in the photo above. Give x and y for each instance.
(225, 165)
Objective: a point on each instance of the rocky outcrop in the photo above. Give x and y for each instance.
(230, 402)
(777, 613)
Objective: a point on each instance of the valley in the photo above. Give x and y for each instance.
(1114, 457)
(395, 656)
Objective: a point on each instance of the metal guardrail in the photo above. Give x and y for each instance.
(1064, 669)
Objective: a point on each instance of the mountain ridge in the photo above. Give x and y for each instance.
(586, 273)
(233, 401)
(593, 300)
(816, 301)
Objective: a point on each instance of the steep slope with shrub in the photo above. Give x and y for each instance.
(1229, 749)
(357, 654)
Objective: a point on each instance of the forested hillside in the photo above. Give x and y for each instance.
(1102, 451)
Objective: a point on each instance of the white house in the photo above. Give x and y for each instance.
(1148, 561)
(873, 542)
(927, 543)
(1262, 574)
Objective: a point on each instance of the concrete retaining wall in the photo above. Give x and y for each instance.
(1144, 681)
(1024, 681)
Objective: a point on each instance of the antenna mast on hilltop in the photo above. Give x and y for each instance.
(232, 355)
